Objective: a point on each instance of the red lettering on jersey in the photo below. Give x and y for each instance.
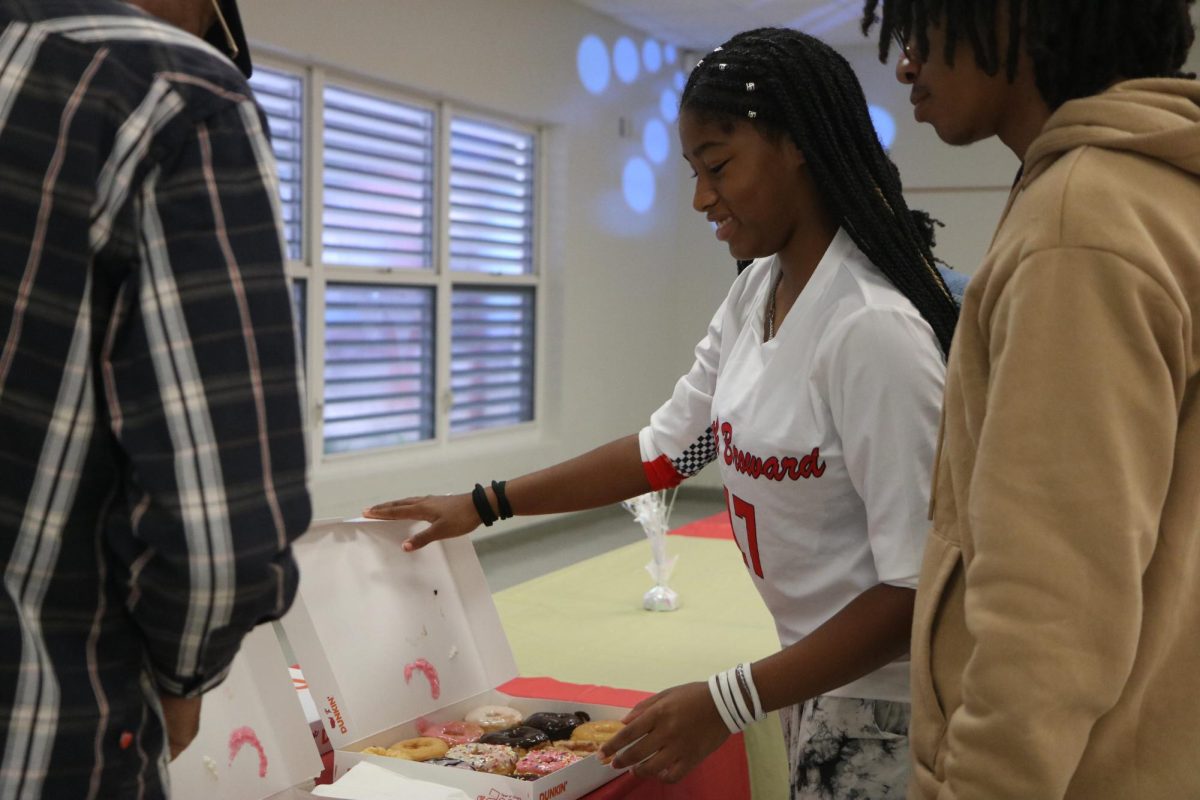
(772, 468)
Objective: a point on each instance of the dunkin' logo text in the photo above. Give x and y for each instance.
(496, 794)
(335, 716)
(771, 468)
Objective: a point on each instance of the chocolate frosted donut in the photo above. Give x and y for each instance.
(522, 737)
(555, 725)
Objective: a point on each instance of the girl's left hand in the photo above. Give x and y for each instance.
(669, 733)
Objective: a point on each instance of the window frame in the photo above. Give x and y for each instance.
(317, 275)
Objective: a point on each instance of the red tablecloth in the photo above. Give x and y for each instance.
(724, 775)
(714, 527)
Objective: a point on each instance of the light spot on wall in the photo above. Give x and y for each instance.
(670, 54)
(680, 80)
(656, 141)
(637, 184)
(885, 125)
(592, 62)
(652, 55)
(668, 105)
(626, 60)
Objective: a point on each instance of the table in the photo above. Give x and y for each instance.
(611, 641)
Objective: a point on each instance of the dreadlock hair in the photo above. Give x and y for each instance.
(786, 82)
(1078, 47)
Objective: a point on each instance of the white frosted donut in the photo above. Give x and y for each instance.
(494, 718)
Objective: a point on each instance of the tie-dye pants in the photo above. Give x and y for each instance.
(844, 748)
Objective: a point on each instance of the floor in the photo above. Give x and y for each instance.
(530, 553)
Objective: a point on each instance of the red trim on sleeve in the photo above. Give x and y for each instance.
(661, 473)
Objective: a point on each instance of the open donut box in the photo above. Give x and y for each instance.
(366, 609)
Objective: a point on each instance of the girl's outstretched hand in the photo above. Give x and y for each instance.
(668, 734)
(448, 516)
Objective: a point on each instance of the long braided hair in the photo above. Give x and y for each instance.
(787, 82)
(1078, 47)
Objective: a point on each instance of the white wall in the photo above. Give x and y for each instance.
(608, 329)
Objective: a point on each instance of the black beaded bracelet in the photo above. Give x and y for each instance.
(482, 506)
(502, 499)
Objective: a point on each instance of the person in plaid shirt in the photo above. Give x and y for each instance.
(152, 471)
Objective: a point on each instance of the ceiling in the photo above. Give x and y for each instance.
(700, 25)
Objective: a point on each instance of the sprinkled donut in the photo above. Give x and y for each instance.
(537, 763)
(453, 733)
(599, 731)
(494, 758)
(520, 738)
(495, 718)
(557, 726)
(422, 748)
(450, 762)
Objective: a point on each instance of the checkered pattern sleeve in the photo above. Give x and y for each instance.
(679, 441)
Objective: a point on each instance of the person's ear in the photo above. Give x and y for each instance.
(793, 156)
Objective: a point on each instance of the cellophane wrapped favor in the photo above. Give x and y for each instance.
(652, 512)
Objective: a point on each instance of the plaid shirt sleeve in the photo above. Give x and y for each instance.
(204, 393)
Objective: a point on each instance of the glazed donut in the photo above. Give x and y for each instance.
(383, 751)
(453, 733)
(494, 758)
(557, 726)
(537, 763)
(450, 762)
(521, 738)
(421, 748)
(580, 748)
(599, 731)
(495, 718)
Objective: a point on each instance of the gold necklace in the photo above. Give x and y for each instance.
(769, 325)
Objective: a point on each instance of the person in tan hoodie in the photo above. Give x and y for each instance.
(1056, 642)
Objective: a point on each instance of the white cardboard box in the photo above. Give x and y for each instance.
(257, 695)
(366, 609)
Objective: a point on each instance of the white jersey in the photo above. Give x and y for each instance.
(824, 436)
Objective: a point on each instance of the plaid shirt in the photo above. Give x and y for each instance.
(152, 462)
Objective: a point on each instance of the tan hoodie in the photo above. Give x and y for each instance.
(1056, 644)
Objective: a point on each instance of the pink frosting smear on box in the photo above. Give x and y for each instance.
(246, 736)
(435, 685)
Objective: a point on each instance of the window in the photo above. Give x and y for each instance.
(379, 364)
(281, 96)
(378, 179)
(416, 280)
(491, 362)
(491, 199)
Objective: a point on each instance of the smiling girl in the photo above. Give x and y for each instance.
(816, 390)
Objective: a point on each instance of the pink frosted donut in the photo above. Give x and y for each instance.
(495, 718)
(494, 758)
(537, 763)
(454, 733)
